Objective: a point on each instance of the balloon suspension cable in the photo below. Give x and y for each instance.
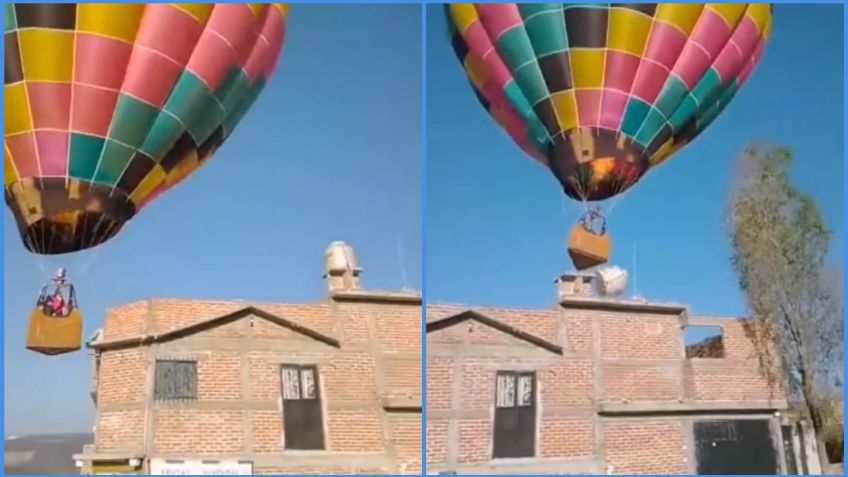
(31, 245)
(89, 237)
(624, 185)
(41, 238)
(94, 237)
(581, 192)
(83, 269)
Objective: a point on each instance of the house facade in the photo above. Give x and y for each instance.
(222, 387)
(601, 386)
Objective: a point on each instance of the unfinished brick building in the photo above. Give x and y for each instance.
(222, 387)
(599, 386)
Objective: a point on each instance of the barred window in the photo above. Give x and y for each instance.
(175, 380)
(506, 390)
(291, 383)
(307, 382)
(525, 390)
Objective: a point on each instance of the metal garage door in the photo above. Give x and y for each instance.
(740, 447)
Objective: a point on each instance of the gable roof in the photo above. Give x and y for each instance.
(470, 314)
(212, 323)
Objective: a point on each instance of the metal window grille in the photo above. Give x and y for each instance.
(175, 380)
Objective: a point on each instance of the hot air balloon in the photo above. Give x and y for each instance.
(110, 105)
(602, 93)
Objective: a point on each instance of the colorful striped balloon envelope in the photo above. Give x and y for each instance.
(110, 105)
(602, 93)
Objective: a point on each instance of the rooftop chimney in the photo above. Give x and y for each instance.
(341, 268)
(572, 285)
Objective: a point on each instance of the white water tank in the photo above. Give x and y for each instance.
(340, 259)
(611, 281)
(341, 269)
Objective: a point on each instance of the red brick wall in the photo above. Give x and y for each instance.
(645, 447)
(171, 314)
(397, 328)
(567, 383)
(322, 470)
(641, 337)
(219, 377)
(122, 376)
(475, 440)
(126, 321)
(711, 381)
(119, 431)
(355, 431)
(406, 439)
(634, 381)
(563, 384)
(267, 432)
(439, 379)
(736, 377)
(264, 375)
(372, 335)
(641, 357)
(350, 377)
(581, 333)
(166, 314)
(198, 432)
(567, 437)
(437, 440)
(477, 375)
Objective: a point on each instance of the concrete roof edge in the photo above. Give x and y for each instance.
(377, 296)
(623, 305)
(107, 455)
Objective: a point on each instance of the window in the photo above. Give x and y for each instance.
(515, 414)
(302, 422)
(176, 380)
(703, 341)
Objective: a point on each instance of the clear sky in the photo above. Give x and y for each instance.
(333, 145)
(494, 219)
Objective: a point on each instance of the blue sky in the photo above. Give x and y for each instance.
(331, 151)
(494, 219)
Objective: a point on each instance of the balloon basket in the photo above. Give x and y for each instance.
(588, 249)
(54, 335)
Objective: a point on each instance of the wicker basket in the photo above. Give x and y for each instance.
(588, 249)
(52, 335)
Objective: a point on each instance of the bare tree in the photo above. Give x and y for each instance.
(780, 242)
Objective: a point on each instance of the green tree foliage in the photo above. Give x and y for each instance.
(780, 242)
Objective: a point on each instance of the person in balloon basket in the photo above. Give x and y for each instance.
(58, 303)
(55, 305)
(594, 222)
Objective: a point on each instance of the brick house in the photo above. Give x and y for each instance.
(599, 386)
(217, 387)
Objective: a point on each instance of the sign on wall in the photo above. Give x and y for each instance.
(200, 467)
